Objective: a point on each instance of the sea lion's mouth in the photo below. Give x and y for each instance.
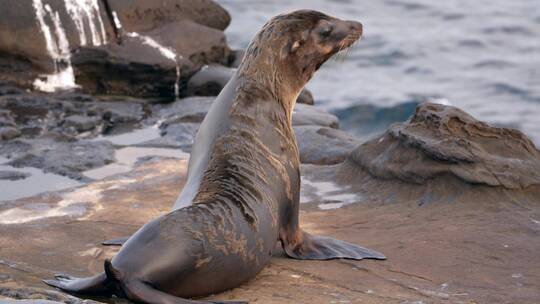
(355, 34)
(349, 41)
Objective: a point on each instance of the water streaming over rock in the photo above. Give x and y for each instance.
(58, 48)
(83, 13)
(165, 51)
(87, 12)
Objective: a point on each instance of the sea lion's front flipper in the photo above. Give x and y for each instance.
(96, 285)
(141, 292)
(115, 242)
(311, 247)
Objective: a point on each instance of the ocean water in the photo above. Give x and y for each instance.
(481, 56)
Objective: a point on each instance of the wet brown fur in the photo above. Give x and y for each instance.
(248, 198)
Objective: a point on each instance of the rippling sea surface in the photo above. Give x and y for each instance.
(481, 56)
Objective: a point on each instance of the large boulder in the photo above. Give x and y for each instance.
(192, 41)
(190, 109)
(146, 15)
(305, 115)
(323, 145)
(37, 38)
(132, 68)
(21, 33)
(443, 141)
(209, 80)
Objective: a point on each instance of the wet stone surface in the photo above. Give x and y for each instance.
(467, 249)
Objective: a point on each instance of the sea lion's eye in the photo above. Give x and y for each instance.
(325, 32)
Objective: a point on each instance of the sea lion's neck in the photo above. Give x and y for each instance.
(266, 79)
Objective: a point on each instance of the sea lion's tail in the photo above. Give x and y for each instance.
(138, 291)
(114, 279)
(111, 273)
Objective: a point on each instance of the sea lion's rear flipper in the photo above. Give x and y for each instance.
(115, 242)
(311, 247)
(139, 291)
(96, 285)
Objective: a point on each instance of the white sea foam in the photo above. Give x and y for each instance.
(64, 79)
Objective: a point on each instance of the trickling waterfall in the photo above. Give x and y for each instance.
(165, 51)
(58, 48)
(82, 12)
(117, 21)
(87, 12)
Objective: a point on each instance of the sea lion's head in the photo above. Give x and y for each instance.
(291, 47)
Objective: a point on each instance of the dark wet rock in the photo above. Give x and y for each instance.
(161, 142)
(33, 114)
(14, 148)
(16, 71)
(194, 42)
(132, 68)
(118, 112)
(305, 97)
(181, 135)
(324, 146)
(236, 58)
(190, 109)
(60, 157)
(25, 295)
(77, 97)
(4, 277)
(366, 120)
(209, 80)
(442, 141)
(6, 89)
(82, 123)
(144, 15)
(7, 133)
(309, 115)
(13, 175)
(7, 119)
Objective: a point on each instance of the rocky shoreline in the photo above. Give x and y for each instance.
(453, 202)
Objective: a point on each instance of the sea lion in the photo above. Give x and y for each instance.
(242, 193)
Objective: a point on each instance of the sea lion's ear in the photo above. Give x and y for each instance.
(295, 46)
(290, 48)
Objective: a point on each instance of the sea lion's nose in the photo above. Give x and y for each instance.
(355, 26)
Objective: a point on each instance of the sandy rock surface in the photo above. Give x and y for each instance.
(465, 251)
